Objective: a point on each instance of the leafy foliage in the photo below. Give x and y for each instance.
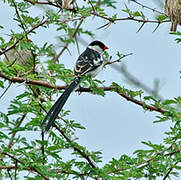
(43, 158)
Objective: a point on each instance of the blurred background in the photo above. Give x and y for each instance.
(114, 125)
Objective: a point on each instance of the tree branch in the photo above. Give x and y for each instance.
(109, 88)
(66, 45)
(21, 162)
(10, 144)
(123, 70)
(18, 16)
(94, 13)
(169, 171)
(31, 30)
(128, 19)
(83, 154)
(147, 7)
(143, 164)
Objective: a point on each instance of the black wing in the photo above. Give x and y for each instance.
(87, 61)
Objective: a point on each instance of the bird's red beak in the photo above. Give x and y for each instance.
(105, 47)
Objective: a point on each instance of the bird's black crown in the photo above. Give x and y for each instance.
(97, 43)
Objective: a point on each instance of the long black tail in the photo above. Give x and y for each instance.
(56, 108)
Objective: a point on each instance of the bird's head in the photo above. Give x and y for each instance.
(98, 46)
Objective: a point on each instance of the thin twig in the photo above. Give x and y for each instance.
(82, 153)
(19, 17)
(147, 7)
(140, 27)
(21, 162)
(9, 174)
(118, 60)
(156, 27)
(105, 25)
(42, 146)
(66, 45)
(128, 19)
(10, 144)
(92, 5)
(60, 171)
(15, 170)
(146, 163)
(9, 85)
(169, 171)
(123, 70)
(31, 30)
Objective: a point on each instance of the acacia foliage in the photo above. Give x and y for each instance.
(41, 158)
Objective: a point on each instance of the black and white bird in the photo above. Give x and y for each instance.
(89, 63)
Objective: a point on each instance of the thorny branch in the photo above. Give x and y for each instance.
(111, 20)
(147, 7)
(109, 88)
(94, 13)
(128, 18)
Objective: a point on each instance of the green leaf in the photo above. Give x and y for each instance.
(1, 84)
(167, 102)
(99, 91)
(77, 125)
(136, 13)
(161, 17)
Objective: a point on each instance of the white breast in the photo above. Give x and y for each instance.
(96, 71)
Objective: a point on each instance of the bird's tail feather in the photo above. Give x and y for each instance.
(56, 108)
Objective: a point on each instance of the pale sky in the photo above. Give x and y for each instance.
(114, 125)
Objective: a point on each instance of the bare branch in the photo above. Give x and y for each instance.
(9, 85)
(123, 70)
(147, 7)
(156, 27)
(118, 60)
(140, 27)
